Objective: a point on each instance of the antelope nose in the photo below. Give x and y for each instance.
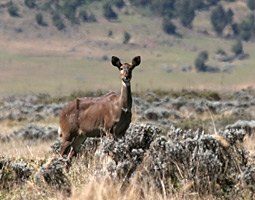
(127, 77)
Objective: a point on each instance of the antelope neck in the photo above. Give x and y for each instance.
(126, 97)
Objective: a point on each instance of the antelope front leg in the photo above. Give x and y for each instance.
(67, 144)
(64, 148)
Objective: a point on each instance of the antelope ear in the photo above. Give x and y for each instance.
(136, 61)
(116, 61)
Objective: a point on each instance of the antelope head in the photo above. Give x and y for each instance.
(126, 68)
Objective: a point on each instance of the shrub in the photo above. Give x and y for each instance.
(127, 37)
(186, 12)
(58, 22)
(200, 65)
(39, 19)
(221, 52)
(237, 48)
(163, 7)
(213, 2)
(13, 9)
(200, 61)
(69, 10)
(247, 27)
(197, 4)
(30, 3)
(83, 15)
(139, 2)
(108, 12)
(251, 4)
(229, 15)
(46, 6)
(119, 3)
(92, 18)
(219, 19)
(110, 33)
(235, 29)
(86, 17)
(168, 26)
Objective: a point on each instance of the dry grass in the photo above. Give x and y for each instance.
(28, 149)
(105, 189)
(250, 144)
(85, 185)
(70, 62)
(84, 181)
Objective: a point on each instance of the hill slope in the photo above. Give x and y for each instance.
(38, 58)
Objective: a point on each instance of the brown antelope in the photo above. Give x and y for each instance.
(96, 116)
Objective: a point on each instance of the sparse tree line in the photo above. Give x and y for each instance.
(203, 56)
(77, 11)
(184, 11)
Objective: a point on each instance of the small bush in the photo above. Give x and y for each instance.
(246, 27)
(30, 3)
(69, 11)
(110, 33)
(219, 20)
(92, 18)
(212, 2)
(168, 26)
(86, 17)
(109, 12)
(127, 37)
(83, 15)
(186, 12)
(251, 4)
(58, 22)
(39, 19)
(237, 48)
(200, 61)
(119, 3)
(221, 52)
(46, 6)
(13, 9)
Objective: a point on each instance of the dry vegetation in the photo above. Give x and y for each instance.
(75, 58)
(147, 164)
(176, 163)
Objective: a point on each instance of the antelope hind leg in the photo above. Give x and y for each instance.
(76, 145)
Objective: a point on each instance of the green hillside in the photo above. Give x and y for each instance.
(40, 57)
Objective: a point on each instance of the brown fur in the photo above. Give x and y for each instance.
(93, 117)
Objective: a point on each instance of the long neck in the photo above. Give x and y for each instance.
(126, 96)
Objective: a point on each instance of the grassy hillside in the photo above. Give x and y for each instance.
(35, 59)
(43, 59)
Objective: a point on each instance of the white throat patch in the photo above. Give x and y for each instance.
(125, 84)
